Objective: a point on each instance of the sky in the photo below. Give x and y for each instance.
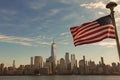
(28, 27)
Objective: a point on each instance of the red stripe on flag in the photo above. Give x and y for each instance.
(97, 37)
(94, 41)
(75, 30)
(92, 33)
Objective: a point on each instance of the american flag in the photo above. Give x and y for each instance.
(94, 31)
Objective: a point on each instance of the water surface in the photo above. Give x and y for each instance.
(70, 77)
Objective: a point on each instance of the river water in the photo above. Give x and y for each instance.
(70, 77)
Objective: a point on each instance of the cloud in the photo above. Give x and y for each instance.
(69, 2)
(63, 43)
(117, 15)
(101, 13)
(16, 40)
(70, 16)
(42, 38)
(54, 12)
(37, 4)
(13, 38)
(117, 21)
(107, 44)
(117, 9)
(8, 12)
(64, 38)
(23, 41)
(64, 33)
(44, 43)
(114, 0)
(100, 5)
(92, 5)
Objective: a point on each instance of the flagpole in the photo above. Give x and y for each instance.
(111, 6)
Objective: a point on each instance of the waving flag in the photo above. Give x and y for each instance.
(94, 31)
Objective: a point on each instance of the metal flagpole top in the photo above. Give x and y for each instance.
(111, 5)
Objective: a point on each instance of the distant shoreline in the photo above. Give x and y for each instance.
(70, 75)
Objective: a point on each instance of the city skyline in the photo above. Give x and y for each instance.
(27, 28)
(64, 66)
(33, 60)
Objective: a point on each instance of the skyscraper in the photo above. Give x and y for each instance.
(102, 60)
(62, 67)
(13, 64)
(67, 60)
(38, 62)
(53, 55)
(84, 69)
(31, 61)
(73, 61)
(103, 65)
(53, 51)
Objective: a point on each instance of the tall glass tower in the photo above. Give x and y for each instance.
(53, 51)
(53, 55)
(14, 64)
